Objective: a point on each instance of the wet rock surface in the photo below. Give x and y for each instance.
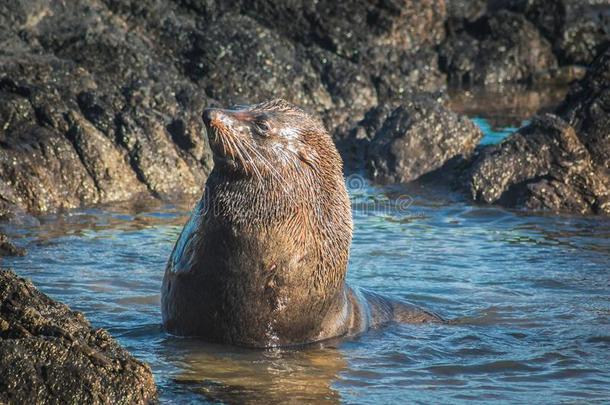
(544, 166)
(50, 354)
(559, 162)
(401, 141)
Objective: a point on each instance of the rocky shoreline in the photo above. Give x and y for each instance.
(50, 354)
(100, 102)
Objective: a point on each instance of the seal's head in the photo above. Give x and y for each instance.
(267, 139)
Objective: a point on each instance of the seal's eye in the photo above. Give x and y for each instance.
(262, 127)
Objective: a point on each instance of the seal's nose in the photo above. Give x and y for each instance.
(209, 115)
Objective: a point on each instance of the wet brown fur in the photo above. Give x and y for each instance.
(262, 261)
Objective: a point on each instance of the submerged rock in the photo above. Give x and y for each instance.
(50, 354)
(558, 162)
(401, 141)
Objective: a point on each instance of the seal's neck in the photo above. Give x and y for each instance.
(248, 201)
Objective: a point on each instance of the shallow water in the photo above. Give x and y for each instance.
(530, 295)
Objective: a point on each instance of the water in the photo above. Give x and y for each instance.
(530, 295)
(493, 135)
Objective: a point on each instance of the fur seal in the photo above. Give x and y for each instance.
(263, 258)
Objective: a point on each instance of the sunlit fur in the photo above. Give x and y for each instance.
(263, 259)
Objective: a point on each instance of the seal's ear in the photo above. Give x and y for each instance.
(308, 157)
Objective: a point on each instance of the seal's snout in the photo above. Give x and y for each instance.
(210, 115)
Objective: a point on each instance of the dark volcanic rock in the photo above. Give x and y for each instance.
(100, 100)
(576, 29)
(50, 354)
(544, 166)
(256, 63)
(352, 29)
(549, 16)
(402, 141)
(498, 41)
(558, 163)
(587, 109)
(582, 38)
(391, 41)
(86, 103)
(464, 11)
(335, 58)
(498, 47)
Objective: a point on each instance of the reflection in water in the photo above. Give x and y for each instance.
(230, 375)
(125, 216)
(507, 105)
(529, 295)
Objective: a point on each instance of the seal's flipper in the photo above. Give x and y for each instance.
(408, 313)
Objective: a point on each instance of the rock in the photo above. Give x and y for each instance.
(496, 48)
(464, 11)
(379, 37)
(336, 59)
(549, 16)
(576, 29)
(587, 109)
(544, 166)
(231, 70)
(50, 354)
(400, 142)
(540, 41)
(87, 106)
(351, 92)
(8, 248)
(100, 101)
(558, 162)
(582, 38)
(404, 72)
(353, 30)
